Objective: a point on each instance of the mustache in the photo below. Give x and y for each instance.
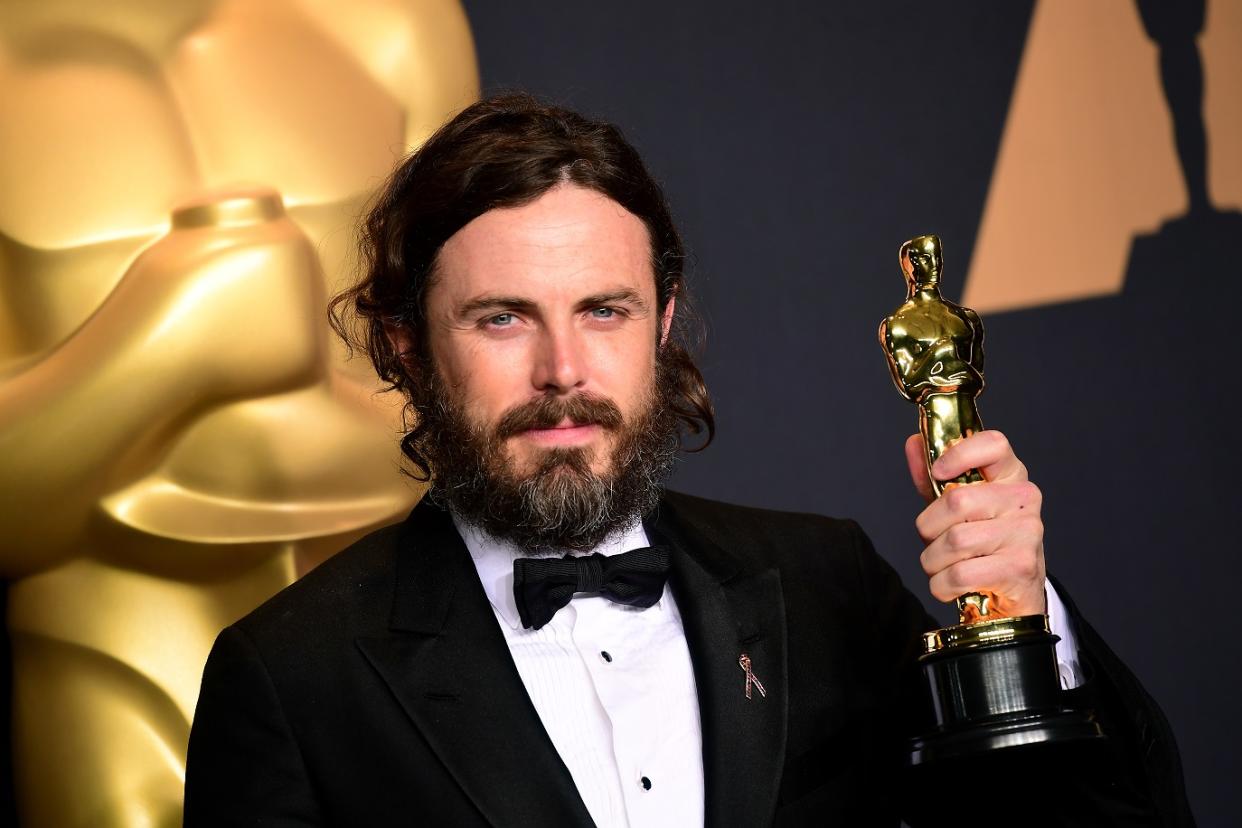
(549, 412)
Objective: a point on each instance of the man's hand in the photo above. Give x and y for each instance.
(982, 537)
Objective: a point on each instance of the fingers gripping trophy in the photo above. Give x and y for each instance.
(993, 678)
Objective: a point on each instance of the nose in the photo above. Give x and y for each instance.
(561, 363)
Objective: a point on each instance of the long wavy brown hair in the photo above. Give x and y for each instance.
(504, 151)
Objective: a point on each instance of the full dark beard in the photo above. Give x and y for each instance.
(561, 503)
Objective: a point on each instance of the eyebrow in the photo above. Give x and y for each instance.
(623, 296)
(486, 303)
(497, 303)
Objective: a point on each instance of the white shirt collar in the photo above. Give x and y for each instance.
(494, 558)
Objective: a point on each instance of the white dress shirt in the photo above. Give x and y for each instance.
(614, 688)
(1067, 648)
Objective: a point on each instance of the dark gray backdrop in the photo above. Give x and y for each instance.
(799, 144)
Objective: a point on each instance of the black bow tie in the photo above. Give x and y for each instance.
(541, 586)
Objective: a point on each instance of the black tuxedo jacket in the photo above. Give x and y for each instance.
(378, 690)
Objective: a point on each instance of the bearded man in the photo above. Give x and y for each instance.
(717, 665)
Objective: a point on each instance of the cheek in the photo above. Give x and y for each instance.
(628, 372)
(487, 379)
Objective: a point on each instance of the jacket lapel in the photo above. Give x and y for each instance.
(728, 611)
(449, 667)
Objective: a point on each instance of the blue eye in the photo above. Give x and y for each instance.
(501, 319)
(603, 313)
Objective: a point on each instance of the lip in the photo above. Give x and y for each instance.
(563, 434)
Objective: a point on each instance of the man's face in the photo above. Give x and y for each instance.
(543, 406)
(551, 301)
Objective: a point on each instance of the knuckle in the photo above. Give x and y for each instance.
(922, 525)
(1030, 568)
(958, 537)
(1025, 565)
(1033, 496)
(941, 590)
(954, 581)
(1033, 527)
(1023, 495)
(957, 499)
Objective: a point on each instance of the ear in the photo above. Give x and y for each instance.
(402, 342)
(666, 320)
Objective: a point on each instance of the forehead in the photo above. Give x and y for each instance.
(570, 239)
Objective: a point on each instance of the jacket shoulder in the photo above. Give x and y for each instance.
(351, 588)
(732, 525)
(830, 574)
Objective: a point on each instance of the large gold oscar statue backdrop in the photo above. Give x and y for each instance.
(179, 436)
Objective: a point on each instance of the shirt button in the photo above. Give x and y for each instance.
(606, 656)
(645, 782)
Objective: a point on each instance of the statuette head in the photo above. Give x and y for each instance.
(920, 261)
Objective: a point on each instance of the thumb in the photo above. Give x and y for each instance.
(916, 459)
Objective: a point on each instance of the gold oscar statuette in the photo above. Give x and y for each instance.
(993, 678)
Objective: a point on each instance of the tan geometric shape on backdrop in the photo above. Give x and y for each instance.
(1087, 159)
(1221, 48)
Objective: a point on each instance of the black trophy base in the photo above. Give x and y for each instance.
(995, 686)
(1065, 725)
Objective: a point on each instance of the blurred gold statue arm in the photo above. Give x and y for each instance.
(899, 365)
(122, 386)
(421, 52)
(179, 435)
